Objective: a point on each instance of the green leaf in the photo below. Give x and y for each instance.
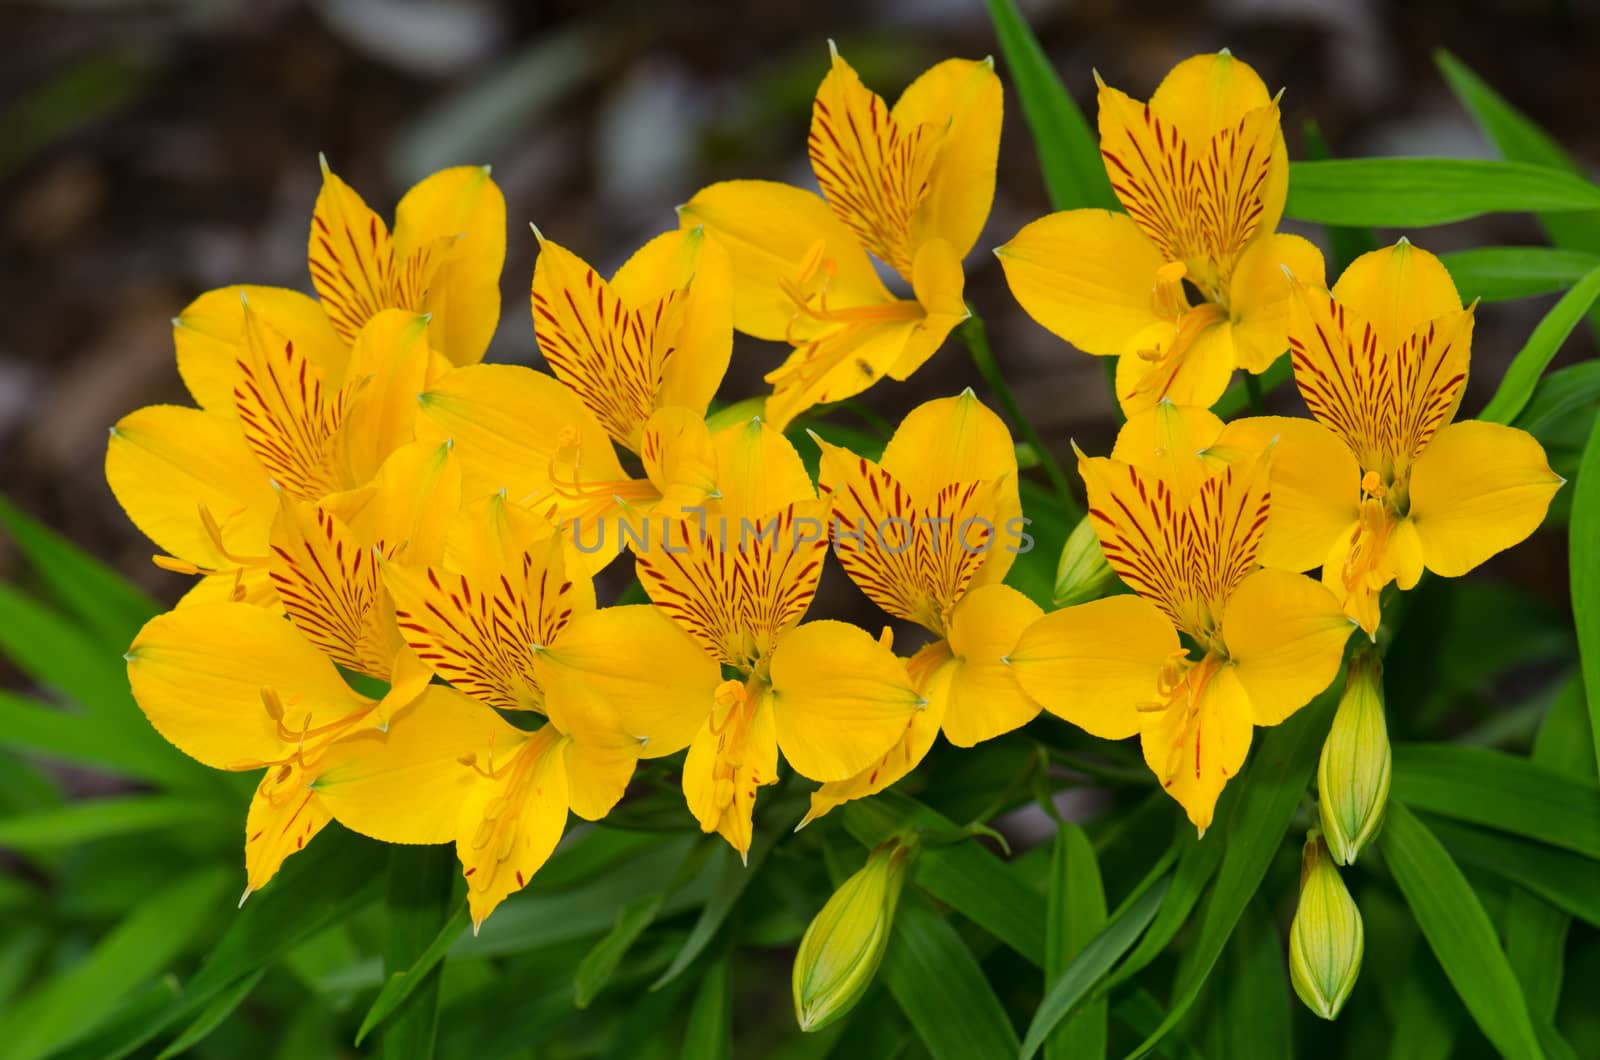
(1501, 791)
(1069, 150)
(1501, 274)
(118, 815)
(1076, 904)
(1197, 863)
(962, 875)
(57, 654)
(41, 729)
(1567, 881)
(1459, 931)
(397, 986)
(1562, 391)
(1518, 384)
(710, 1032)
(1344, 244)
(1418, 192)
(938, 985)
(1255, 991)
(600, 963)
(70, 1007)
(1272, 787)
(1236, 399)
(1519, 140)
(1583, 546)
(221, 1007)
(1092, 963)
(109, 606)
(420, 882)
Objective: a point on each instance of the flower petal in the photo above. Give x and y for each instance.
(1193, 750)
(840, 699)
(986, 698)
(1260, 296)
(1085, 276)
(1169, 439)
(1397, 289)
(1207, 93)
(390, 364)
(1097, 664)
(208, 332)
(726, 765)
(938, 282)
(1286, 635)
(285, 813)
(1193, 368)
(965, 96)
(1477, 489)
(1316, 484)
(464, 208)
(512, 820)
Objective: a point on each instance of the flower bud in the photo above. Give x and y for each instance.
(1082, 573)
(1326, 938)
(844, 945)
(1353, 776)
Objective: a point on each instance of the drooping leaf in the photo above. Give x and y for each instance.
(1518, 384)
(1583, 546)
(1559, 393)
(1076, 904)
(1419, 192)
(117, 815)
(710, 1030)
(1459, 931)
(942, 990)
(417, 901)
(1565, 880)
(1501, 274)
(601, 962)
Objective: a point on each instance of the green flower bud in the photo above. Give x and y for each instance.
(844, 945)
(1326, 938)
(1082, 573)
(1353, 776)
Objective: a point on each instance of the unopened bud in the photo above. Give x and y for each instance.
(1326, 938)
(844, 945)
(1353, 776)
(1082, 573)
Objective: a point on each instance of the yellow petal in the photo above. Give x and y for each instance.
(986, 698)
(407, 783)
(598, 776)
(846, 359)
(1207, 93)
(391, 364)
(596, 691)
(329, 585)
(874, 169)
(1193, 368)
(1316, 484)
(291, 417)
(1260, 297)
(510, 424)
(285, 813)
(965, 96)
(840, 699)
(1085, 276)
(770, 231)
(1096, 665)
(1286, 635)
(512, 820)
(463, 208)
(208, 332)
(731, 756)
(680, 460)
(1477, 489)
(199, 674)
(1168, 439)
(932, 670)
(1193, 748)
(687, 260)
(165, 463)
(758, 471)
(251, 585)
(1397, 289)
(409, 507)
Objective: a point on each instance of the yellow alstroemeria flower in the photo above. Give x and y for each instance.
(1202, 171)
(1185, 536)
(739, 575)
(1384, 484)
(207, 484)
(636, 361)
(504, 622)
(443, 260)
(910, 185)
(238, 688)
(928, 533)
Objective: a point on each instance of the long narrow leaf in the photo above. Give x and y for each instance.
(710, 1031)
(1584, 545)
(1255, 991)
(40, 729)
(939, 986)
(92, 819)
(1076, 905)
(1517, 385)
(1567, 881)
(417, 900)
(1562, 391)
(1460, 933)
(1417, 192)
(1501, 274)
(397, 986)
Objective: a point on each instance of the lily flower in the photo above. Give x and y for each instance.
(738, 576)
(928, 533)
(1211, 644)
(1385, 484)
(1188, 284)
(909, 185)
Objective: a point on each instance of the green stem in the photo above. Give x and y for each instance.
(1252, 386)
(421, 879)
(977, 341)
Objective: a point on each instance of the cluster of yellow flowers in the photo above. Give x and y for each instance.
(395, 616)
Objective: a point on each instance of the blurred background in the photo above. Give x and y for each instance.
(150, 151)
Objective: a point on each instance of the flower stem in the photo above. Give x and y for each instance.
(1252, 386)
(977, 342)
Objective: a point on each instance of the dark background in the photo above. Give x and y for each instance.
(151, 151)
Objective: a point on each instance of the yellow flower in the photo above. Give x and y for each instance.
(503, 622)
(1184, 534)
(1384, 484)
(928, 533)
(910, 185)
(238, 688)
(206, 484)
(738, 576)
(1188, 284)
(636, 361)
